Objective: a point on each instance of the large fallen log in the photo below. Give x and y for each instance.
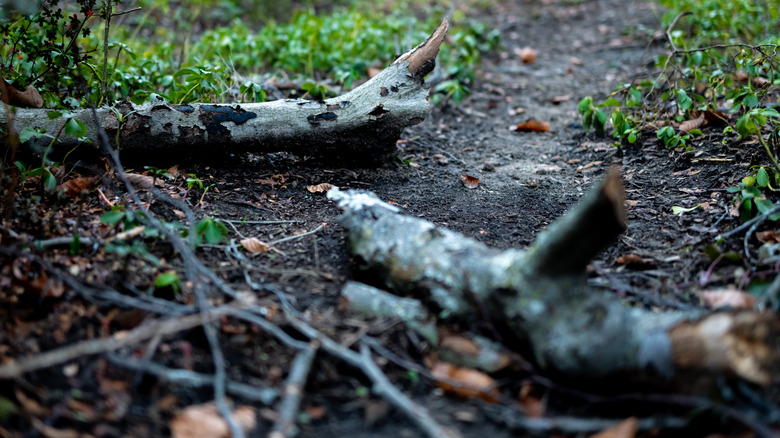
(539, 302)
(365, 122)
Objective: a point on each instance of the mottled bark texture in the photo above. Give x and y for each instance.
(539, 302)
(365, 122)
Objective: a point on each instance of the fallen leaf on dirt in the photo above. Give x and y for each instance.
(459, 345)
(31, 407)
(576, 61)
(275, 180)
(625, 429)
(761, 81)
(469, 181)
(74, 187)
(441, 159)
(589, 165)
(316, 412)
(516, 111)
(531, 401)
(141, 181)
(204, 421)
(634, 260)
(677, 210)
(716, 118)
(255, 245)
(29, 98)
(527, 54)
(465, 382)
(560, 99)
(319, 188)
(531, 126)
(729, 297)
(696, 123)
(767, 236)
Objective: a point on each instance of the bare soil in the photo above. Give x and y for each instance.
(527, 179)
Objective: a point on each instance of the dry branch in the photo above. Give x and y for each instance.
(540, 302)
(365, 122)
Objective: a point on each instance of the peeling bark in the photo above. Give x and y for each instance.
(365, 122)
(540, 303)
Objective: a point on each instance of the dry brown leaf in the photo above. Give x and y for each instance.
(768, 236)
(319, 188)
(465, 382)
(625, 429)
(255, 245)
(140, 181)
(74, 187)
(532, 126)
(528, 55)
(730, 296)
(275, 180)
(29, 98)
(204, 421)
(693, 123)
(469, 181)
(441, 159)
(560, 99)
(531, 401)
(741, 76)
(634, 260)
(761, 81)
(460, 345)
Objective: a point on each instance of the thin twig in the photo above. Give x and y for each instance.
(235, 221)
(191, 378)
(293, 391)
(116, 14)
(383, 386)
(671, 26)
(102, 345)
(749, 224)
(297, 236)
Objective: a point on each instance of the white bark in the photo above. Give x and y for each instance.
(366, 121)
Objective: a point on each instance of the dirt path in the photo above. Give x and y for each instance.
(527, 179)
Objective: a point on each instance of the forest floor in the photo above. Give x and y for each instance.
(526, 180)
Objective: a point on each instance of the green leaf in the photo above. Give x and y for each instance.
(764, 205)
(611, 102)
(54, 114)
(50, 183)
(585, 104)
(750, 100)
(75, 244)
(26, 134)
(684, 100)
(762, 177)
(632, 137)
(112, 217)
(75, 128)
(167, 278)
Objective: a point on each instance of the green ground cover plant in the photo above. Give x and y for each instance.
(722, 71)
(60, 49)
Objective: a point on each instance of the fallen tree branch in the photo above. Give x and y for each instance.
(365, 122)
(541, 303)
